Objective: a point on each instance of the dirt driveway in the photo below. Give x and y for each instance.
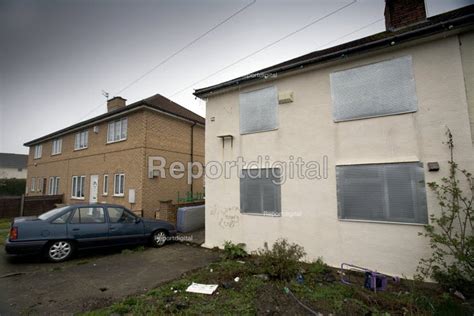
(92, 280)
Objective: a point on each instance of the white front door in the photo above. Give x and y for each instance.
(94, 189)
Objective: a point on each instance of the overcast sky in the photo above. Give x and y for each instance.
(57, 56)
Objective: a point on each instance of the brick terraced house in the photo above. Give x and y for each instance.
(105, 159)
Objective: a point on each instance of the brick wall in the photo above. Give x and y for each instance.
(171, 139)
(400, 13)
(149, 133)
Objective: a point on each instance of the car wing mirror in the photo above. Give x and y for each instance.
(138, 220)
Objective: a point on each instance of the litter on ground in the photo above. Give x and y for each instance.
(202, 288)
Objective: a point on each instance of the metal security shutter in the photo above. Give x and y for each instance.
(259, 110)
(382, 192)
(260, 191)
(379, 89)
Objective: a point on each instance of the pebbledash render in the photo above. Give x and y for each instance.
(368, 118)
(106, 158)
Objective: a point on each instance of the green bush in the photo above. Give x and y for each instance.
(451, 233)
(234, 251)
(12, 187)
(282, 261)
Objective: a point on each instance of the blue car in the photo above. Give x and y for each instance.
(59, 233)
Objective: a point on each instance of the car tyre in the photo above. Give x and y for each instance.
(159, 238)
(59, 250)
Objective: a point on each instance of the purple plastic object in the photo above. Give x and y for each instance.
(374, 281)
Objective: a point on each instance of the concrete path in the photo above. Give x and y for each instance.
(30, 286)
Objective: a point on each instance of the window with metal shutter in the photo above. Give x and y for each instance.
(260, 191)
(382, 192)
(379, 89)
(259, 110)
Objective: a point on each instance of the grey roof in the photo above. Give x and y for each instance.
(156, 101)
(443, 23)
(13, 161)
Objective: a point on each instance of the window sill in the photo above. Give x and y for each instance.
(119, 195)
(379, 222)
(115, 141)
(105, 194)
(36, 158)
(77, 198)
(56, 154)
(262, 131)
(79, 149)
(268, 214)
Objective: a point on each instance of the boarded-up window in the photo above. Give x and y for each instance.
(259, 110)
(382, 192)
(260, 191)
(379, 89)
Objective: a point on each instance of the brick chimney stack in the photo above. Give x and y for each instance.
(401, 13)
(115, 103)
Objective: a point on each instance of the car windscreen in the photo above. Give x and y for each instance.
(52, 213)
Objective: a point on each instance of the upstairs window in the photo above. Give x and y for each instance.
(117, 130)
(81, 139)
(384, 88)
(38, 151)
(57, 146)
(392, 192)
(78, 183)
(260, 191)
(259, 110)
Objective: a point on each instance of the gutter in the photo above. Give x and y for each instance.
(385, 42)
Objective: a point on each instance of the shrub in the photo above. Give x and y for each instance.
(234, 251)
(12, 187)
(282, 261)
(451, 233)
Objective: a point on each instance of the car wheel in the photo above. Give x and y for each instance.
(159, 238)
(60, 250)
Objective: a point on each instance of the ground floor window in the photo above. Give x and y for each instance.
(53, 186)
(260, 191)
(392, 192)
(33, 184)
(78, 187)
(119, 182)
(41, 185)
(105, 190)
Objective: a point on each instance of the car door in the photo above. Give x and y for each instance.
(124, 227)
(88, 226)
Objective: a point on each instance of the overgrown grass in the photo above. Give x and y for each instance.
(321, 290)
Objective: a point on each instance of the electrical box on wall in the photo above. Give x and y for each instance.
(131, 196)
(285, 97)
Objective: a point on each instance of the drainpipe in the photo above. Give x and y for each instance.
(192, 157)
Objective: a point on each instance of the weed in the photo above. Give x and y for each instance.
(234, 251)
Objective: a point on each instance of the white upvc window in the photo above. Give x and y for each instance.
(119, 183)
(53, 186)
(117, 130)
(40, 185)
(57, 146)
(38, 151)
(105, 187)
(78, 183)
(80, 140)
(33, 184)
